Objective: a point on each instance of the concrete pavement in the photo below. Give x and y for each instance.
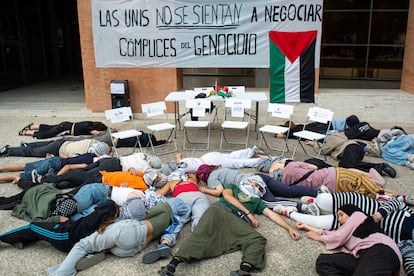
(55, 102)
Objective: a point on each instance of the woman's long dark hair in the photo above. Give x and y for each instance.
(99, 126)
(109, 220)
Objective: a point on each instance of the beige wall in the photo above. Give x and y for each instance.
(407, 77)
(145, 84)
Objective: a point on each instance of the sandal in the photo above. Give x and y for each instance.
(28, 127)
(23, 132)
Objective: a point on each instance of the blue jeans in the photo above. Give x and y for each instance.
(88, 197)
(41, 166)
(197, 204)
(396, 151)
(407, 251)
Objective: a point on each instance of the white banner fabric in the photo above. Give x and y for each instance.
(196, 34)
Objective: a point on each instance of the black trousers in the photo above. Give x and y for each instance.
(8, 203)
(376, 260)
(89, 174)
(50, 232)
(49, 131)
(62, 235)
(37, 149)
(352, 158)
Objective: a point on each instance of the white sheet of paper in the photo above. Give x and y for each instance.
(199, 112)
(237, 110)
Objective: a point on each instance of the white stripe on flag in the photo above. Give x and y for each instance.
(292, 80)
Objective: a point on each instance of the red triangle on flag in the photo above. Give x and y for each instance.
(292, 44)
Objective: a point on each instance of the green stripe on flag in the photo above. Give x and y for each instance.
(277, 74)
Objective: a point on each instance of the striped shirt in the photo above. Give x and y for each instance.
(398, 218)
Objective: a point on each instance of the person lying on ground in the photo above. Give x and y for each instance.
(337, 125)
(44, 131)
(184, 187)
(395, 218)
(169, 238)
(52, 165)
(123, 238)
(77, 177)
(244, 158)
(63, 235)
(212, 180)
(46, 203)
(60, 147)
(350, 154)
(336, 179)
(360, 130)
(100, 174)
(396, 146)
(229, 226)
(364, 249)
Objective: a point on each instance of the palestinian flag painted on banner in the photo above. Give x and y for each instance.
(292, 66)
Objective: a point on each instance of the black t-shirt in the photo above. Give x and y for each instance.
(362, 131)
(83, 128)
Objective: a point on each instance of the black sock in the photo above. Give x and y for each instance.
(173, 264)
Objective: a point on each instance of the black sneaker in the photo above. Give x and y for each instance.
(50, 172)
(4, 150)
(390, 171)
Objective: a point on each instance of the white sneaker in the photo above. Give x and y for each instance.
(409, 164)
(312, 209)
(407, 199)
(284, 210)
(410, 158)
(258, 151)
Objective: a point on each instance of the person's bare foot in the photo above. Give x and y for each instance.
(309, 143)
(169, 140)
(15, 180)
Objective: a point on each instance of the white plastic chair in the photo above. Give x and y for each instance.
(164, 130)
(198, 108)
(115, 117)
(236, 117)
(275, 113)
(315, 114)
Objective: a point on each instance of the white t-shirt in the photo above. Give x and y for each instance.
(192, 164)
(120, 194)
